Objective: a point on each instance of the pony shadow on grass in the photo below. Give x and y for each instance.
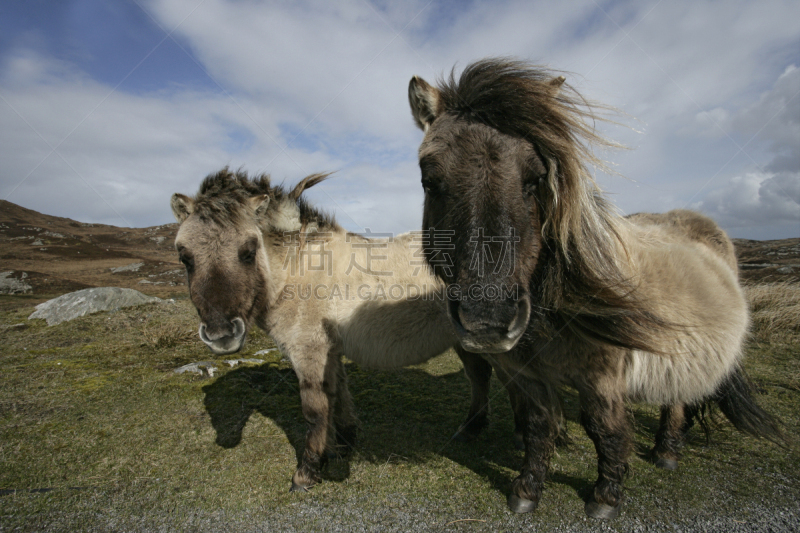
(405, 415)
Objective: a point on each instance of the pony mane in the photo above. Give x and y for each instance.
(223, 195)
(520, 100)
(581, 279)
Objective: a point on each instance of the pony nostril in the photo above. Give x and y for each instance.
(233, 330)
(238, 327)
(497, 316)
(520, 322)
(208, 335)
(224, 338)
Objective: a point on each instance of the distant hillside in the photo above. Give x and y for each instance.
(49, 255)
(53, 255)
(777, 260)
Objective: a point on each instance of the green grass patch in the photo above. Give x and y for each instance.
(98, 433)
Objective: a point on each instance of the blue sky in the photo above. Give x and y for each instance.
(107, 108)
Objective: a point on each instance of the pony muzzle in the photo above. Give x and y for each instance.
(489, 335)
(223, 341)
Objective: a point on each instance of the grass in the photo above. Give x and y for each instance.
(775, 309)
(98, 433)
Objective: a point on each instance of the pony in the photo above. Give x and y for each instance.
(644, 308)
(257, 254)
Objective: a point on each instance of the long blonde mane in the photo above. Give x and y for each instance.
(583, 283)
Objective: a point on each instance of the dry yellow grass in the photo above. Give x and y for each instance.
(775, 310)
(168, 335)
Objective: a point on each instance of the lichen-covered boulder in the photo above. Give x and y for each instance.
(10, 284)
(88, 301)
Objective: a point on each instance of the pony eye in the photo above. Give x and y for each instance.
(247, 254)
(530, 186)
(427, 185)
(187, 260)
(429, 182)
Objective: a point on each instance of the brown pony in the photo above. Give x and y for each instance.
(257, 254)
(647, 307)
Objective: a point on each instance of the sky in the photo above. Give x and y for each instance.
(107, 108)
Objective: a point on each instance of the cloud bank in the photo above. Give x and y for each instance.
(301, 87)
(768, 196)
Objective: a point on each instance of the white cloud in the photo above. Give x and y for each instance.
(709, 121)
(768, 197)
(775, 121)
(331, 80)
(342, 65)
(117, 156)
(756, 199)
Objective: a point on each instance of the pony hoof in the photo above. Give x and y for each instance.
(601, 510)
(520, 505)
(666, 464)
(298, 488)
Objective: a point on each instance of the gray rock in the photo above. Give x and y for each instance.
(754, 266)
(198, 368)
(14, 327)
(270, 350)
(788, 269)
(9, 285)
(133, 267)
(235, 362)
(88, 301)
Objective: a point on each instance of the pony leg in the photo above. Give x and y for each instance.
(517, 406)
(344, 417)
(671, 435)
(540, 428)
(479, 372)
(318, 388)
(606, 422)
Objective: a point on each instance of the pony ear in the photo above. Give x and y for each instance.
(424, 101)
(556, 83)
(259, 203)
(182, 206)
(306, 183)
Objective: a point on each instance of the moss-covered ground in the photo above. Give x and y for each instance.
(98, 433)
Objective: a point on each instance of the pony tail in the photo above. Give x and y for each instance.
(735, 400)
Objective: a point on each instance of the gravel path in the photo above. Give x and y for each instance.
(403, 515)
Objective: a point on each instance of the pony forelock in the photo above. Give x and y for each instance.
(223, 197)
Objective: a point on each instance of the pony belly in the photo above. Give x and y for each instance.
(396, 345)
(387, 335)
(670, 379)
